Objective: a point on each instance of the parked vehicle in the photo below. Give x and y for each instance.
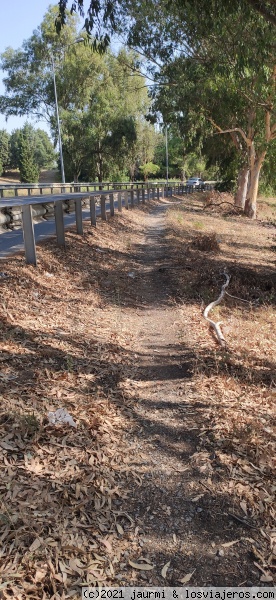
(196, 182)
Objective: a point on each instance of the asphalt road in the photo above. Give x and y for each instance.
(12, 242)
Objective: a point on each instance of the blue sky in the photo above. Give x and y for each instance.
(18, 20)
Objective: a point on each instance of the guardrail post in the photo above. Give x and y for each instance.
(93, 211)
(126, 198)
(28, 234)
(138, 195)
(158, 194)
(119, 201)
(59, 223)
(78, 208)
(143, 195)
(111, 203)
(103, 208)
(132, 197)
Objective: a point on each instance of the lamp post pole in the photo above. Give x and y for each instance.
(58, 123)
(167, 155)
(57, 113)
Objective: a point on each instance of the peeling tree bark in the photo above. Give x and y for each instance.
(243, 181)
(250, 208)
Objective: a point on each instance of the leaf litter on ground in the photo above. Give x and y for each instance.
(63, 345)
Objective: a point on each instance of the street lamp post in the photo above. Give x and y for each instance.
(167, 155)
(57, 111)
(58, 123)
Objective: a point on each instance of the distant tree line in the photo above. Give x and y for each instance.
(27, 149)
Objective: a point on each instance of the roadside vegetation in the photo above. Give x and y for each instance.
(160, 95)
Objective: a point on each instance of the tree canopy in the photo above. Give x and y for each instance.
(102, 100)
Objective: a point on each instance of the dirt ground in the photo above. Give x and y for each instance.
(168, 477)
(46, 176)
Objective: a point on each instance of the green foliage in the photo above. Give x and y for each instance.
(194, 165)
(4, 150)
(28, 168)
(268, 181)
(44, 153)
(43, 149)
(205, 92)
(149, 169)
(102, 101)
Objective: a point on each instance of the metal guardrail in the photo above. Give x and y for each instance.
(126, 197)
(65, 188)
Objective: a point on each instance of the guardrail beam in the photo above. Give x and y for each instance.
(78, 208)
(119, 201)
(103, 208)
(93, 211)
(111, 204)
(28, 235)
(59, 220)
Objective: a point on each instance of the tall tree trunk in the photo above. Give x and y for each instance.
(100, 169)
(250, 208)
(243, 180)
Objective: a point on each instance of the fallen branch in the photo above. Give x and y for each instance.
(216, 326)
(209, 204)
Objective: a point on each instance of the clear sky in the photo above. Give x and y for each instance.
(18, 21)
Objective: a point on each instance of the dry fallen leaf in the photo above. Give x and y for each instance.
(141, 566)
(266, 579)
(197, 498)
(187, 577)
(243, 506)
(119, 529)
(35, 545)
(107, 545)
(229, 544)
(40, 574)
(165, 568)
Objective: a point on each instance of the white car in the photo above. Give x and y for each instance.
(196, 182)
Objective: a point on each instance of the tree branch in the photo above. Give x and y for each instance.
(239, 130)
(260, 8)
(216, 326)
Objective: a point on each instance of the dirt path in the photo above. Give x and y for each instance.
(177, 520)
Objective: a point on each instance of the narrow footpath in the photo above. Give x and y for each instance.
(180, 525)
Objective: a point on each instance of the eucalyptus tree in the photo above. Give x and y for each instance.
(104, 17)
(218, 77)
(219, 58)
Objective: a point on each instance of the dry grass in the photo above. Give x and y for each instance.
(46, 176)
